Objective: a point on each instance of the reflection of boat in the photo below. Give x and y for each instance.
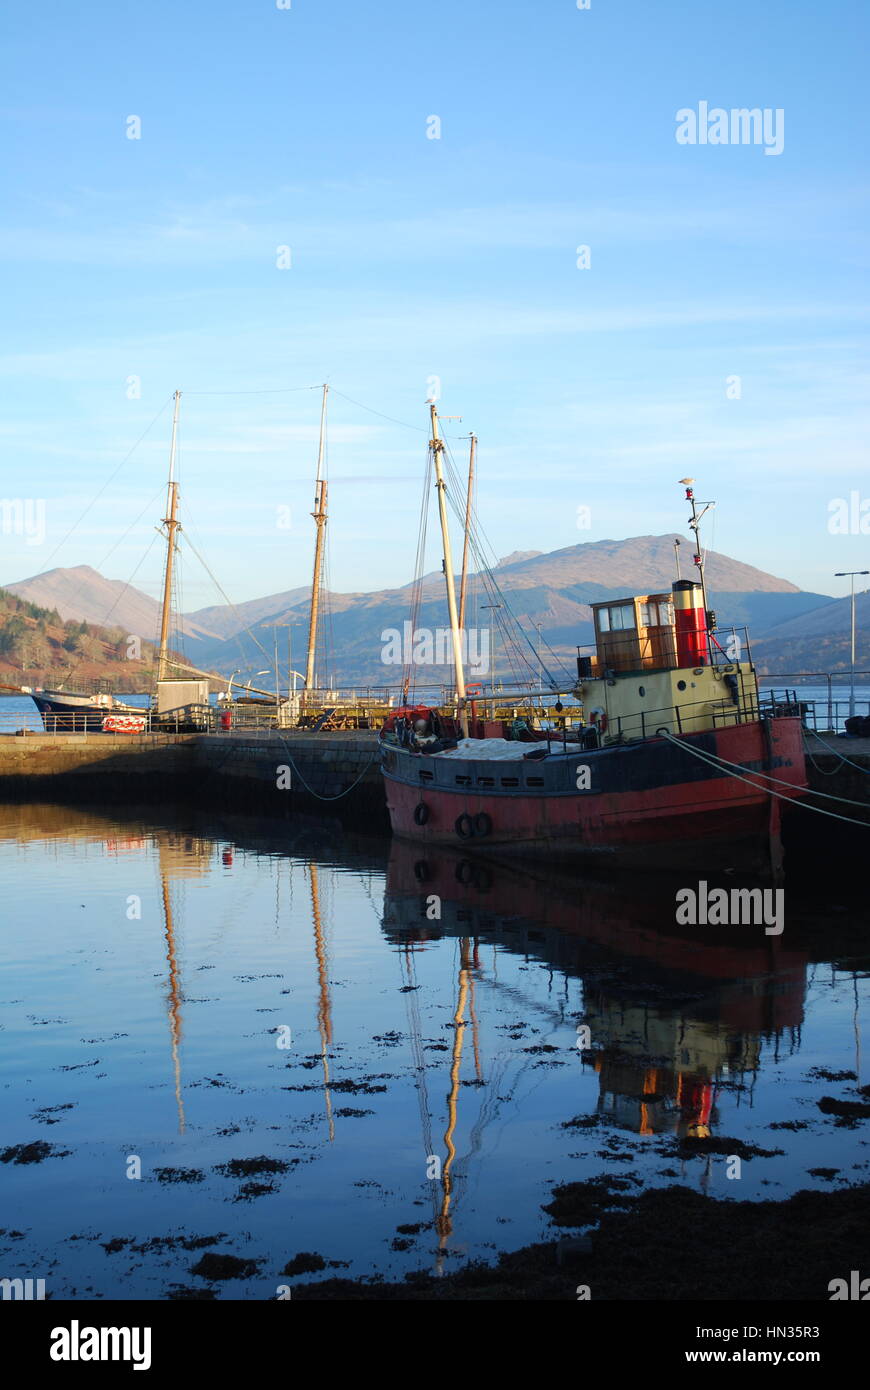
(671, 1016)
(678, 752)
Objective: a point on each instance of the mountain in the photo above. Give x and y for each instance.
(82, 594)
(38, 648)
(818, 640)
(553, 590)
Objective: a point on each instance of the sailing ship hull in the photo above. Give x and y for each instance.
(653, 801)
(62, 712)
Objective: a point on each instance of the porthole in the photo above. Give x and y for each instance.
(681, 685)
(641, 690)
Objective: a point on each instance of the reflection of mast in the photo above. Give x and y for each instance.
(324, 1008)
(174, 997)
(444, 1223)
(475, 1028)
(319, 515)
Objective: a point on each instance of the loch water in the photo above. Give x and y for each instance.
(267, 1040)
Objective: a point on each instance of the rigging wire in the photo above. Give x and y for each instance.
(263, 391)
(515, 635)
(228, 600)
(109, 480)
(133, 575)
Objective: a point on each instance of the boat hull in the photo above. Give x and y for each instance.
(654, 800)
(70, 713)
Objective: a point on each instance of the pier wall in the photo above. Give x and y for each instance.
(335, 774)
(111, 767)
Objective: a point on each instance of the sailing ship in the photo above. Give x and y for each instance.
(678, 750)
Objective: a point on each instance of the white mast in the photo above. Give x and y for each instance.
(437, 446)
(171, 525)
(319, 515)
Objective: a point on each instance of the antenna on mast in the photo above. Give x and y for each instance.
(698, 557)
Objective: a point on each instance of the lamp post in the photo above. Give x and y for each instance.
(850, 574)
(491, 607)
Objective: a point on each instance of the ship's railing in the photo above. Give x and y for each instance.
(696, 716)
(829, 711)
(644, 652)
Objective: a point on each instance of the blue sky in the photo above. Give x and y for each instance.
(415, 258)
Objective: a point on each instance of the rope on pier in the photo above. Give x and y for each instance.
(724, 765)
(837, 754)
(311, 790)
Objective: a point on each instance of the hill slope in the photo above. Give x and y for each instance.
(551, 590)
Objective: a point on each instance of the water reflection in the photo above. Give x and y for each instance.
(445, 992)
(671, 1014)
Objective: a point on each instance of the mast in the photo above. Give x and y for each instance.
(171, 524)
(437, 446)
(698, 557)
(319, 515)
(464, 581)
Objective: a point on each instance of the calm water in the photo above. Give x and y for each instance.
(147, 972)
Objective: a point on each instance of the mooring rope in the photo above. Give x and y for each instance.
(338, 796)
(713, 761)
(837, 754)
(829, 796)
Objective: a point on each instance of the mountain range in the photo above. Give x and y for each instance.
(791, 629)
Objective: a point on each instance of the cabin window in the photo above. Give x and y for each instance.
(656, 613)
(641, 690)
(681, 685)
(618, 618)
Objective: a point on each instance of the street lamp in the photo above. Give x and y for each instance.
(492, 607)
(850, 574)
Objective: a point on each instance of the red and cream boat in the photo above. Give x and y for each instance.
(678, 751)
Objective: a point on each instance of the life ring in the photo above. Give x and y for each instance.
(464, 826)
(421, 813)
(482, 823)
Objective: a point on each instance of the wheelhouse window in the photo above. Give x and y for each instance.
(618, 618)
(656, 613)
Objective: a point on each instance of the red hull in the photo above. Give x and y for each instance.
(676, 811)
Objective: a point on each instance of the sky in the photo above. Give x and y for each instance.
(390, 197)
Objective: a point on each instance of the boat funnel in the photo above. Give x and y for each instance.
(690, 623)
